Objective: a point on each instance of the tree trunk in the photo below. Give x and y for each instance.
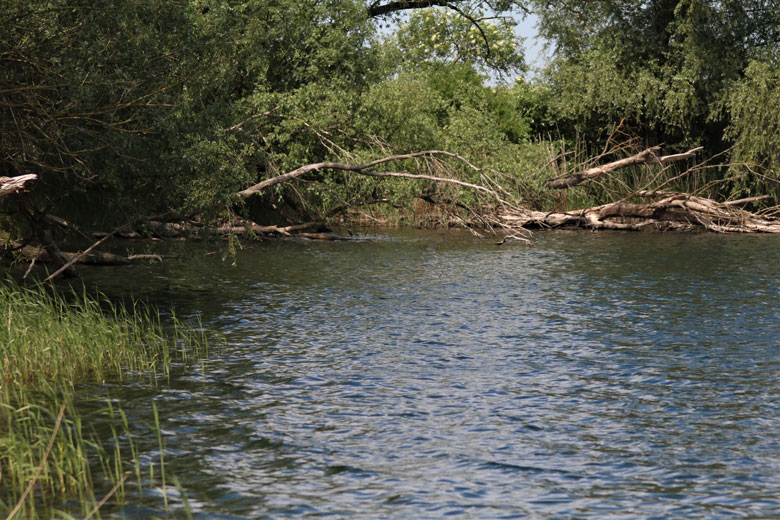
(647, 156)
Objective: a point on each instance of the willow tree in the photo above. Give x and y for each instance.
(87, 93)
(133, 107)
(664, 66)
(126, 109)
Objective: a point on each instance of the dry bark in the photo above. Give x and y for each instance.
(9, 185)
(647, 156)
(367, 169)
(678, 211)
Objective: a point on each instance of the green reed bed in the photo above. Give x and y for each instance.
(48, 344)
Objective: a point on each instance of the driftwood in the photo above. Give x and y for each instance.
(647, 156)
(675, 211)
(39, 254)
(239, 227)
(9, 185)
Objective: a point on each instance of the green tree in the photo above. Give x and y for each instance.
(754, 109)
(664, 66)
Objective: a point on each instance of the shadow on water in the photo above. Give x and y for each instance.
(424, 375)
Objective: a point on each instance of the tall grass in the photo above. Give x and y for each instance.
(48, 344)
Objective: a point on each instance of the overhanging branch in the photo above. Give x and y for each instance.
(366, 169)
(647, 156)
(378, 9)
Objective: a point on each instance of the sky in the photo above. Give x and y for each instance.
(534, 52)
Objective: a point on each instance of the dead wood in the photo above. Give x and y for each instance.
(93, 258)
(647, 156)
(75, 258)
(9, 185)
(40, 228)
(320, 236)
(367, 169)
(88, 257)
(680, 211)
(125, 232)
(237, 227)
(154, 258)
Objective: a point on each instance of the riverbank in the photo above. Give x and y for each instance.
(49, 344)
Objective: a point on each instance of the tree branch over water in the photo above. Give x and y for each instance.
(367, 169)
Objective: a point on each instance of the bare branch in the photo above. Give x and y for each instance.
(78, 256)
(647, 156)
(364, 169)
(16, 184)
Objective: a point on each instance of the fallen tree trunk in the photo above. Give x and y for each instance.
(38, 223)
(188, 229)
(92, 258)
(678, 211)
(647, 156)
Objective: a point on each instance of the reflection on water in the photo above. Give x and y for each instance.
(424, 375)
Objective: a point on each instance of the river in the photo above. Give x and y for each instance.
(417, 375)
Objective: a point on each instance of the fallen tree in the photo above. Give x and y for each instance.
(36, 255)
(665, 211)
(648, 156)
(674, 211)
(238, 226)
(368, 169)
(90, 258)
(498, 208)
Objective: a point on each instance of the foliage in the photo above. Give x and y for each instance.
(133, 103)
(442, 35)
(754, 109)
(131, 109)
(662, 66)
(83, 91)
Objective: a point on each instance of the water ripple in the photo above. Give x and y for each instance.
(430, 376)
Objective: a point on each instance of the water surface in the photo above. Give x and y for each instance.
(431, 375)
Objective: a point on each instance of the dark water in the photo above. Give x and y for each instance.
(430, 375)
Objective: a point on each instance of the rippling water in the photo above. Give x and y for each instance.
(431, 375)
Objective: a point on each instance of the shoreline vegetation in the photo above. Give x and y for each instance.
(264, 118)
(49, 345)
(495, 204)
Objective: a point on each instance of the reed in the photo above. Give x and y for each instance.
(48, 344)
